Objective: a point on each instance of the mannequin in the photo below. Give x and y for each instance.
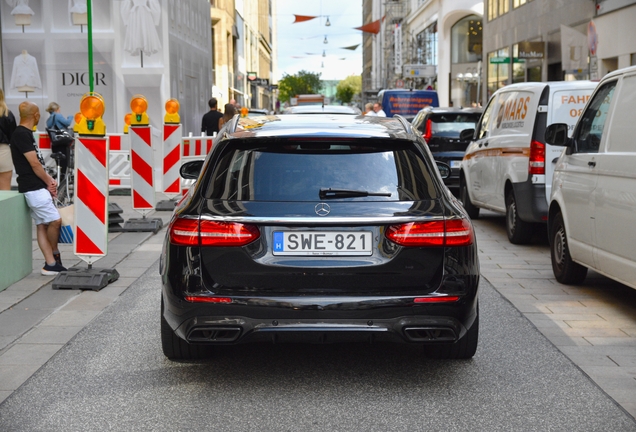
(21, 12)
(25, 76)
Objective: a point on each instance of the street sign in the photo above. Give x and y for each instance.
(399, 83)
(505, 60)
(251, 76)
(262, 82)
(418, 71)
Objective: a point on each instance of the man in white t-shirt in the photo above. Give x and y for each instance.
(377, 108)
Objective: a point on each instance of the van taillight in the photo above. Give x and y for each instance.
(537, 158)
(449, 232)
(428, 130)
(192, 232)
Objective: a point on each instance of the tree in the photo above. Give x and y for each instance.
(348, 88)
(301, 83)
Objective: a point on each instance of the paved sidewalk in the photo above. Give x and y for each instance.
(593, 324)
(36, 321)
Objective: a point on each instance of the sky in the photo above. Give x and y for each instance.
(301, 45)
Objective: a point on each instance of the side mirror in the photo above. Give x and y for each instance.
(191, 170)
(557, 134)
(444, 169)
(467, 134)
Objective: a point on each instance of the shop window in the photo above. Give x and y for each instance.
(466, 40)
(426, 50)
(498, 69)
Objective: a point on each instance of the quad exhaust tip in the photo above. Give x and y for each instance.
(430, 334)
(214, 334)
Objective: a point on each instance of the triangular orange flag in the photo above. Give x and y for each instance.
(373, 27)
(301, 18)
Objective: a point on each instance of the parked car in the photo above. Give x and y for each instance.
(507, 166)
(255, 112)
(593, 203)
(320, 109)
(440, 128)
(319, 228)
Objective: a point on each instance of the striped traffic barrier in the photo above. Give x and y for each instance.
(119, 161)
(91, 198)
(196, 147)
(171, 159)
(141, 158)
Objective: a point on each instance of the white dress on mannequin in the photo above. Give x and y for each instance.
(25, 75)
(141, 18)
(77, 6)
(20, 7)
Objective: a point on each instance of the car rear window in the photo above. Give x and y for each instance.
(450, 125)
(298, 170)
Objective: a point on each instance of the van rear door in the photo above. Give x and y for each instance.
(566, 106)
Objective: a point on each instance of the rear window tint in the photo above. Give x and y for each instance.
(297, 171)
(450, 125)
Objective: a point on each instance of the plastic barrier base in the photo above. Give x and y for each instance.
(143, 225)
(85, 278)
(166, 205)
(114, 217)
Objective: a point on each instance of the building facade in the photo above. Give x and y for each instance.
(425, 44)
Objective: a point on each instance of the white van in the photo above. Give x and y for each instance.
(592, 211)
(507, 166)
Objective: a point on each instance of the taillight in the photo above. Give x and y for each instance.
(450, 232)
(227, 233)
(192, 232)
(537, 158)
(428, 130)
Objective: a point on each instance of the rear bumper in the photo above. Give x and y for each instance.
(319, 320)
(531, 202)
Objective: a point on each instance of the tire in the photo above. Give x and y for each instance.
(565, 270)
(471, 209)
(464, 348)
(176, 348)
(519, 232)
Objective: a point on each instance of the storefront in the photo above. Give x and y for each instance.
(45, 56)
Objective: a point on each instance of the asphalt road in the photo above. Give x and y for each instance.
(113, 376)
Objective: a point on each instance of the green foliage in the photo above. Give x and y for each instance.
(301, 83)
(348, 88)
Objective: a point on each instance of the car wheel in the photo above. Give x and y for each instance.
(464, 348)
(565, 270)
(471, 209)
(519, 232)
(176, 348)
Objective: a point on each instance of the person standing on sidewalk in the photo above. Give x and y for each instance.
(7, 126)
(210, 121)
(38, 187)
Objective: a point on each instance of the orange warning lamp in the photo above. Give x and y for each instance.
(78, 119)
(92, 109)
(172, 112)
(127, 120)
(139, 106)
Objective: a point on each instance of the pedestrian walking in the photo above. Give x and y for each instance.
(210, 122)
(377, 108)
(38, 187)
(368, 110)
(229, 111)
(7, 126)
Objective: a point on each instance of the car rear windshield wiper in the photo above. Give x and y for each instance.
(347, 193)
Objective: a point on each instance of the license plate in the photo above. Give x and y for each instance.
(455, 164)
(313, 243)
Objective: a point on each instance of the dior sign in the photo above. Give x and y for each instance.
(81, 79)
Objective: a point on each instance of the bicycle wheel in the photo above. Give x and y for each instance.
(65, 189)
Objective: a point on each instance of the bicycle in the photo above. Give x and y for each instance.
(65, 177)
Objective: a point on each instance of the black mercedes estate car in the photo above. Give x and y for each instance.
(321, 228)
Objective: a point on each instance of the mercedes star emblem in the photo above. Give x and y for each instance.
(322, 209)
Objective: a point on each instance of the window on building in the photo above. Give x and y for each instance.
(426, 50)
(498, 69)
(497, 8)
(466, 40)
(517, 3)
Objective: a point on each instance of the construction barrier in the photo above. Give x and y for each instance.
(171, 180)
(141, 163)
(196, 147)
(119, 161)
(91, 198)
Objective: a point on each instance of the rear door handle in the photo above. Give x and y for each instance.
(591, 164)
